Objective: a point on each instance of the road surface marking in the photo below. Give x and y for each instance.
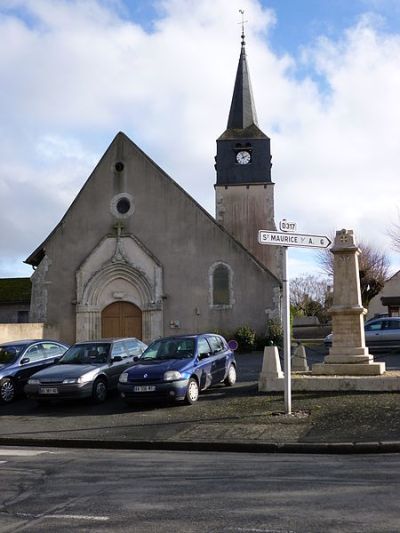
(22, 453)
(65, 516)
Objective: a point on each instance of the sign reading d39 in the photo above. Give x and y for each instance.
(277, 238)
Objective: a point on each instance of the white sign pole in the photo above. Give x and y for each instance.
(285, 239)
(286, 332)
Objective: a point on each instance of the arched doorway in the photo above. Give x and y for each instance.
(121, 319)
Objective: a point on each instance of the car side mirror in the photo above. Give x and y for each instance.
(25, 360)
(116, 359)
(136, 358)
(204, 355)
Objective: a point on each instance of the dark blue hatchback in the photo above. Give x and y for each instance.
(178, 368)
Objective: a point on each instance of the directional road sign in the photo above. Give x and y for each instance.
(277, 238)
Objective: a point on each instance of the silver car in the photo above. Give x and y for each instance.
(87, 370)
(380, 333)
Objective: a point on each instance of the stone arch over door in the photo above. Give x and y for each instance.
(117, 283)
(121, 319)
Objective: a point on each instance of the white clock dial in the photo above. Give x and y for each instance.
(243, 157)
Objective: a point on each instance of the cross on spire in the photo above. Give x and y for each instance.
(243, 22)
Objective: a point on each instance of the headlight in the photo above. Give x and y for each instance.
(33, 381)
(123, 378)
(85, 378)
(172, 375)
(70, 380)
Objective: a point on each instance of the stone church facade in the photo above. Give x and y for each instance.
(136, 255)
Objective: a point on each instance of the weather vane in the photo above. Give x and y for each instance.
(243, 22)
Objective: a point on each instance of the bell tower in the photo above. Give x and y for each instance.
(244, 191)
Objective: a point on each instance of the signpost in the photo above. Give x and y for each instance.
(277, 238)
(285, 238)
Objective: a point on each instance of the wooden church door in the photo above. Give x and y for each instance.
(121, 319)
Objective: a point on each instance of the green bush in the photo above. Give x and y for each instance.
(246, 339)
(274, 333)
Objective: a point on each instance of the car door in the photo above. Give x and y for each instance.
(204, 362)
(392, 333)
(119, 360)
(374, 333)
(31, 361)
(219, 358)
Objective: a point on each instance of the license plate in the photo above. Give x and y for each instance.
(144, 388)
(48, 390)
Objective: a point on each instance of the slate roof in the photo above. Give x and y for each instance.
(243, 112)
(15, 290)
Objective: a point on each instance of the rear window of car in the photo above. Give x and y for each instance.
(375, 326)
(393, 324)
(50, 349)
(217, 344)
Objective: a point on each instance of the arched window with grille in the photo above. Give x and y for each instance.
(221, 285)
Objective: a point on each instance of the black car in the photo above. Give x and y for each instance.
(20, 359)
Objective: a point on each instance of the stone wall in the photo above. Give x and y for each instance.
(15, 332)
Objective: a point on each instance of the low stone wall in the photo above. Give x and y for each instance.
(311, 332)
(15, 332)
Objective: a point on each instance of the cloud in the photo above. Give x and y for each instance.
(75, 73)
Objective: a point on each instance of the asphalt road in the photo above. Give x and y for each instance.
(94, 490)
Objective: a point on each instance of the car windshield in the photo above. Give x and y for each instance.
(86, 354)
(183, 348)
(9, 353)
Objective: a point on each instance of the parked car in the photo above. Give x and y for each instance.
(20, 359)
(87, 370)
(178, 368)
(380, 333)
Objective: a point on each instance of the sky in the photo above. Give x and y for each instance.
(326, 84)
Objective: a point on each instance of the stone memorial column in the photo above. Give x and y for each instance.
(348, 354)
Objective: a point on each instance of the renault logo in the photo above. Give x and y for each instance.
(145, 376)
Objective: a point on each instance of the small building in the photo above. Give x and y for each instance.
(15, 299)
(387, 302)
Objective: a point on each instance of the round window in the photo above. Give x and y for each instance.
(119, 166)
(122, 205)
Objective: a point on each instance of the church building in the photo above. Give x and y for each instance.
(136, 255)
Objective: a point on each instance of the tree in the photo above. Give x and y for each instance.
(373, 266)
(394, 234)
(311, 296)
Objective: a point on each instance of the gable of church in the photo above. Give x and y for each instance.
(133, 234)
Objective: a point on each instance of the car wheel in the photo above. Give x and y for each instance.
(7, 390)
(99, 393)
(192, 392)
(231, 377)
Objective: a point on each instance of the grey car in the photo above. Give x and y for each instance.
(20, 359)
(87, 370)
(380, 333)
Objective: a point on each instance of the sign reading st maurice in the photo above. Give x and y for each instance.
(277, 238)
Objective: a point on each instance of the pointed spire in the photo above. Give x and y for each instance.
(243, 112)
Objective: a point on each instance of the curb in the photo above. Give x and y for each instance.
(341, 448)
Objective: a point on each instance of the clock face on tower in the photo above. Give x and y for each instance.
(243, 157)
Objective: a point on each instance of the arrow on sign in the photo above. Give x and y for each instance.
(277, 238)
